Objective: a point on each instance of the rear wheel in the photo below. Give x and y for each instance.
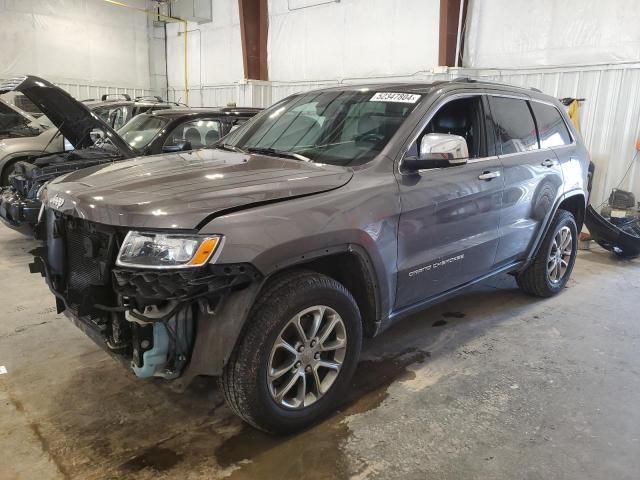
(293, 364)
(551, 268)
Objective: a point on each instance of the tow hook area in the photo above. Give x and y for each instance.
(162, 339)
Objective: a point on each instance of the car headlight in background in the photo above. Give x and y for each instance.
(166, 250)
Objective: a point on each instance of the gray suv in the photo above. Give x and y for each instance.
(328, 217)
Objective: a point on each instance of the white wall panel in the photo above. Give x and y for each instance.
(75, 41)
(214, 53)
(525, 33)
(319, 40)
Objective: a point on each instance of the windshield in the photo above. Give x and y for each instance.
(14, 123)
(140, 130)
(340, 128)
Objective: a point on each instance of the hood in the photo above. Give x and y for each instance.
(74, 120)
(185, 190)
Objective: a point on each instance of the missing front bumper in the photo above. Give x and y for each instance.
(17, 212)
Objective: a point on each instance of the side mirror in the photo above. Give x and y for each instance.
(438, 150)
(177, 147)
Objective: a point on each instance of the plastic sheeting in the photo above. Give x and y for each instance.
(318, 40)
(75, 41)
(214, 53)
(524, 33)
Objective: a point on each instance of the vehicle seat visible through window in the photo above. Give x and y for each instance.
(211, 137)
(461, 117)
(192, 135)
(383, 124)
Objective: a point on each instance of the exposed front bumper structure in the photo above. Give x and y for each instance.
(17, 212)
(170, 324)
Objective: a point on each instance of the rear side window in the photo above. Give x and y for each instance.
(552, 130)
(515, 129)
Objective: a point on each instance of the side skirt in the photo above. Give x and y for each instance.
(423, 304)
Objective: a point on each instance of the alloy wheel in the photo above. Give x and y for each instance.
(307, 357)
(560, 255)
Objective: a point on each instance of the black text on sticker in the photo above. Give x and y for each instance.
(395, 97)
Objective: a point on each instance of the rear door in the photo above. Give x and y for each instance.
(448, 229)
(532, 176)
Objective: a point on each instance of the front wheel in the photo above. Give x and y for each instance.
(293, 364)
(551, 268)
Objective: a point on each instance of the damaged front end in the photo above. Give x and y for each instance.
(147, 318)
(19, 203)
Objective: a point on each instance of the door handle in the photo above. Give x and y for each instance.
(489, 175)
(548, 163)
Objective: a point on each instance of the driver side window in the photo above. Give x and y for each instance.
(462, 117)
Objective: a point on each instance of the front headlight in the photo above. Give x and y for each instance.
(166, 250)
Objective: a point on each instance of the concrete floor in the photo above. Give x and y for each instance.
(492, 384)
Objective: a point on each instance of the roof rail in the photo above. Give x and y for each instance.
(155, 98)
(464, 79)
(107, 95)
(472, 80)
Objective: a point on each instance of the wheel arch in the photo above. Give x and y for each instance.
(219, 330)
(574, 202)
(351, 266)
(12, 159)
(577, 205)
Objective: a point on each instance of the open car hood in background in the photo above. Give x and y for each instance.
(74, 120)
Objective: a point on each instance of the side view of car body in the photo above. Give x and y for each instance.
(327, 217)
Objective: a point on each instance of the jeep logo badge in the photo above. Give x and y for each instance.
(56, 202)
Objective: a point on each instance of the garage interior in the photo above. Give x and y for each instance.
(489, 384)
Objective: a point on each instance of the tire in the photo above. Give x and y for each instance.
(253, 394)
(537, 279)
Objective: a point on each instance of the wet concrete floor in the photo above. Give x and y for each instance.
(491, 384)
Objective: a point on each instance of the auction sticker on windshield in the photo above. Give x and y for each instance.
(395, 97)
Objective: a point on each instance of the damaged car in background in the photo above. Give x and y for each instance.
(90, 141)
(16, 123)
(329, 216)
(23, 139)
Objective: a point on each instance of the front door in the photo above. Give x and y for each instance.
(448, 228)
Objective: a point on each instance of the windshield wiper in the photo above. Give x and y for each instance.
(229, 148)
(278, 153)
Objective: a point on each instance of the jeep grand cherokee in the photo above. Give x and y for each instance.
(327, 217)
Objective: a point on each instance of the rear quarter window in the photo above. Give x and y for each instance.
(514, 125)
(552, 130)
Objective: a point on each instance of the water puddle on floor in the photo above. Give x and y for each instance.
(157, 458)
(316, 453)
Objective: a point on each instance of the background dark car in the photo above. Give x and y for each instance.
(182, 129)
(117, 109)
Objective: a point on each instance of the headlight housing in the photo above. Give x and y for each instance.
(167, 250)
